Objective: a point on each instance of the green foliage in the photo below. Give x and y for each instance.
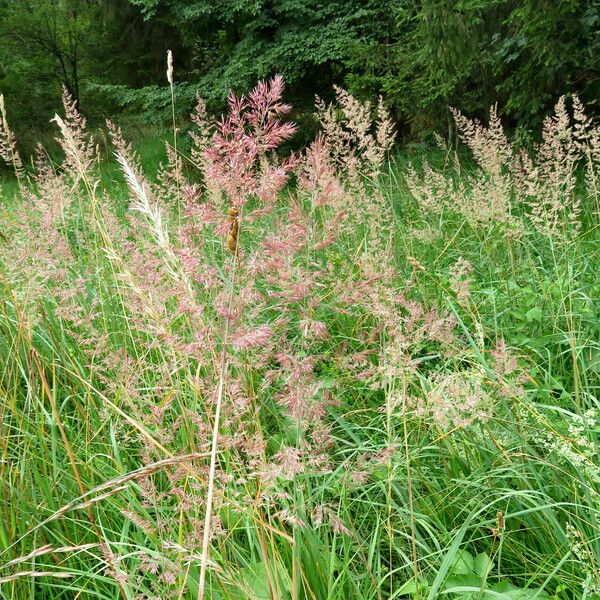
(51, 44)
(548, 49)
(149, 105)
(477, 52)
(42, 49)
(421, 56)
(466, 578)
(234, 43)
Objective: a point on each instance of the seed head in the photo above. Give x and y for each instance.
(170, 67)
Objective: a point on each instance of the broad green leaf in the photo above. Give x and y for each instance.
(483, 564)
(462, 563)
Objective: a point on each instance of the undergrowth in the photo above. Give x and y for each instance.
(326, 375)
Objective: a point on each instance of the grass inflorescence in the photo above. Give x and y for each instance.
(326, 375)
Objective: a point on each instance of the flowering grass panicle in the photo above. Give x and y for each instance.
(41, 251)
(455, 400)
(357, 146)
(510, 186)
(250, 380)
(8, 144)
(239, 158)
(552, 182)
(460, 280)
(81, 151)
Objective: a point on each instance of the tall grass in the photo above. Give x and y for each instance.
(327, 375)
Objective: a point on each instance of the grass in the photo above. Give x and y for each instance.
(431, 469)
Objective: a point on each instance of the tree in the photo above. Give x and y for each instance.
(470, 54)
(75, 44)
(233, 43)
(51, 34)
(421, 56)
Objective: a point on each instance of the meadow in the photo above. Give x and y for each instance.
(340, 373)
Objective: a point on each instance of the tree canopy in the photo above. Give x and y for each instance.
(421, 56)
